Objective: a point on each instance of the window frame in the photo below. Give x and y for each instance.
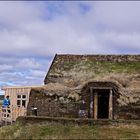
(22, 99)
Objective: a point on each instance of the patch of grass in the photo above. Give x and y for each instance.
(71, 131)
(128, 133)
(98, 67)
(7, 132)
(119, 133)
(125, 67)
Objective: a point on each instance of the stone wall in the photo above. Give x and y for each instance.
(67, 102)
(53, 104)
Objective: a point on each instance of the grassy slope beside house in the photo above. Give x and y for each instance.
(59, 131)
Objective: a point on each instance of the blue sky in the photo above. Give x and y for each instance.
(31, 33)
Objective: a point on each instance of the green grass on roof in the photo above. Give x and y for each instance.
(97, 66)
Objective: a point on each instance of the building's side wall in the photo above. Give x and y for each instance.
(16, 110)
(48, 106)
(126, 104)
(52, 105)
(129, 105)
(13, 92)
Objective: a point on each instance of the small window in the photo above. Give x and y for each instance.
(23, 103)
(18, 96)
(23, 96)
(18, 102)
(21, 100)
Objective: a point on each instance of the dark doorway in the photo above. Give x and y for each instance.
(103, 104)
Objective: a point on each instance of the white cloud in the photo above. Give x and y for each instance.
(117, 15)
(15, 13)
(38, 73)
(126, 39)
(5, 67)
(27, 63)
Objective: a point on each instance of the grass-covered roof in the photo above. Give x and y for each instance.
(92, 65)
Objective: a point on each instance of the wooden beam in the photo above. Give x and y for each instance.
(111, 105)
(95, 105)
(101, 88)
(17, 87)
(91, 103)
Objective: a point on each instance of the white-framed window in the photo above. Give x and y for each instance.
(21, 100)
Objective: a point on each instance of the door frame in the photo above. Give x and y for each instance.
(94, 102)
